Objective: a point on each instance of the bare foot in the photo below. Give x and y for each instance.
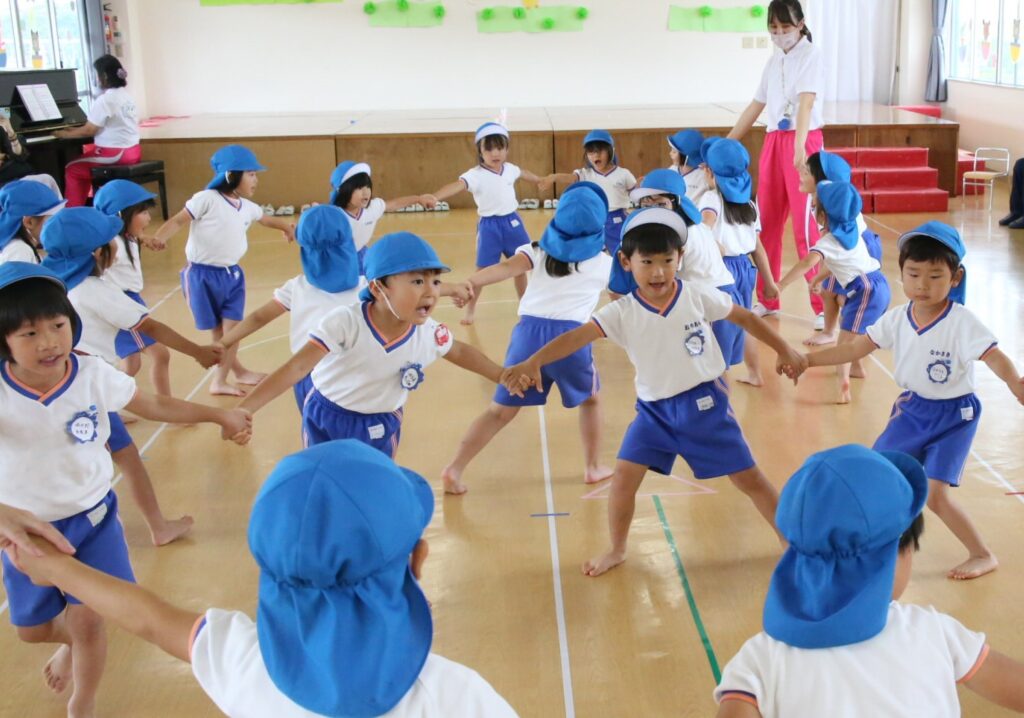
(857, 370)
(81, 709)
(820, 339)
(844, 393)
(171, 530)
(603, 564)
(597, 474)
(252, 378)
(57, 670)
(452, 479)
(468, 319)
(224, 389)
(973, 567)
(751, 379)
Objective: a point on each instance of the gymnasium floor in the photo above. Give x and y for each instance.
(509, 599)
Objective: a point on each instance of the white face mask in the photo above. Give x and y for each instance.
(785, 41)
(380, 288)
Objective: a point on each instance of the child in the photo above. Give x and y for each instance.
(492, 183)
(212, 282)
(329, 279)
(81, 243)
(568, 273)
(342, 626)
(684, 151)
(366, 358)
(131, 203)
(726, 208)
(25, 205)
(53, 429)
(682, 402)
(836, 641)
(857, 273)
(936, 341)
(601, 166)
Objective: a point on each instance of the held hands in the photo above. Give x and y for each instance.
(17, 528)
(236, 426)
(428, 200)
(152, 244)
(209, 355)
(520, 377)
(771, 289)
(289, 232)
(545, 182)
(462, 293)
(31, 559)
(791, 363)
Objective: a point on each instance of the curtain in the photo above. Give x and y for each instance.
(935, 89)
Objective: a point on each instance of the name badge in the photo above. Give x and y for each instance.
(616, 220)
(97, 515)
(967, 413)
(376, 431)
(83, 426)
(705, 403)
(514, 223)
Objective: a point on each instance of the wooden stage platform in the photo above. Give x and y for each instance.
(417, 151)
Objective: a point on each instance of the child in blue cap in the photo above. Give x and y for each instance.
(682, 400)
(55, 409)
(935, 341)
(342, 626)
(684, 151)
(601, 167)
(25, 205)
(836, 641)
(330, 279)
(365, 358)
(568, 272)
(859, 275)
(213, 284)
(500, 231)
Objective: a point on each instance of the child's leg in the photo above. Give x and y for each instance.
(88, 658)
(843, 370)
(470, 316)
(242, 375)
(831, 303)
(753, 483)
(621, 504)
(219, 385)
(57, 671)
(161, 530)
(590, 433)
(478, 435)
(160, 369)
(752, 361)
(981, 560)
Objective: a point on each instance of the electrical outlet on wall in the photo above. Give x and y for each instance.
(762, 43)
(748, 43)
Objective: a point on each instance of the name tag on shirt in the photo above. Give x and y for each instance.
(705, 403)
(376, 431)
(514, 222)
(967, 413)
(97, 515)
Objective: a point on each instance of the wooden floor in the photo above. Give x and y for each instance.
(508, 596)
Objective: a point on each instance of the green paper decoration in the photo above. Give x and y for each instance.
(369, 8)
(757, 11)
(550, 18)
(547, 23)
(705, 11)
(439, 11)
(519, 13)
(742, 19)
(402, 13)
(403, 5)
(582, 13)
(487, 14)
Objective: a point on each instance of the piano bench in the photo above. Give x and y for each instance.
(139, 173)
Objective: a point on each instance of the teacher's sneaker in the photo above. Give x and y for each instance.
(819, 322)
(763, 311)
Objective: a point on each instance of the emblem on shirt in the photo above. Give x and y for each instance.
(84, 425)
(441, 335)
(939, 371)
(411, 376)
(694, 343)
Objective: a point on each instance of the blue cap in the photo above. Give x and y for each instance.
(232, 158)
(842, 204)
(687, 143)
(327, 251)
(489, 128)
(729, 160)
(706, 145)
(843, 513)
(576, 232)
(118, 195)
(601, 136)
(944, 234)
(619, 280)
(24, 198)
(346, 171)
(14, 272)
(396, 253)
(835, 168)
(343, 626)
(666, 181)
(70, 238)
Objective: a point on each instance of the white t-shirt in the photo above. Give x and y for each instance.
(17, 250)
(308, 305)
(696, 183)
(362, 372)
(227, 662)
(365, 222)
(785, 78)
(702, 259)
(734, 239)
(126, 271)
(909, 670)
(616, 184)
(672, 348)
(934, 361)
(44, 468)
(114, 111)
(493, 192)
(571, 298)
(217, 233)
(105, 310)
(845, 264)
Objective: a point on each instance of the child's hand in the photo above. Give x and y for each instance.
(209, 355)
(17, 525)
(289, 232)
(30, 563)
(427, 200)
(791, 363)
(516, 379)
(545, 183)
(771, 289)
(157, 245)
(462, 294)
(1018, 390)
(236, 426)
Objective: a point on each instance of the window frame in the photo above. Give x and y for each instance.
(1001, 39)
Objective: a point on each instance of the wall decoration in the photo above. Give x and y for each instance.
(532, 18)
(403, 13)
(217, 3)
(705, 18)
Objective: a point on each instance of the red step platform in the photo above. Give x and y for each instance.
(894, 179)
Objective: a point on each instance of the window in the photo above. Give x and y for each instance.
(44, 35)
(983, 41)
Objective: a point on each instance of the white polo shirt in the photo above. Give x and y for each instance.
(217, 235)
(365, 221)
(18, 250)
(126, 271)
(570, 298)
(114, 112)
(734, 239)
(672, 347)
(308, 305)
(845, 264)
(53, 456)
(935, 361)
(493, 192)
(702, 259)
(909, 670)
(105, 310)
(364, 372)
(616, 184)
(228, 664)
(786, 77)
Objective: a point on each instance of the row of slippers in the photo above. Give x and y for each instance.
(536, 204)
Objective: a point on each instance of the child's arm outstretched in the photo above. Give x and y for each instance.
(1002, 366)
(560, 177)
(859, 348)
(170, 228)
(252, 323)
(516, 265)
(284, 226)
(236, 424)
(207, 355)
(790, 362)
(286, 376)
(809, 262)
(527, 373)
(449, 190)
(390, 205)
(531, 177)
(823, 274)
(1000, 680)
(469, 357)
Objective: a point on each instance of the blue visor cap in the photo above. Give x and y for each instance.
(13, 272)
(601, 136)
(344, 172)
(24, 198)
(666, 181)
(118, 195)
(842, 204)
(232, 158)
(944, 234)
(397, 253)
(705, 146)
(343, 626)
(576, 232)
(487, 129)
(326, 249)
(687, 143)
(729, 161)
(843, 513)
(70, 238)
(834, 167)
(621, 281)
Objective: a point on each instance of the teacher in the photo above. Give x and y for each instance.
(112, 123)
(791, 88)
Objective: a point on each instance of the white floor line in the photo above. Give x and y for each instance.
(556, 573)
(164, 299)
(880, 223)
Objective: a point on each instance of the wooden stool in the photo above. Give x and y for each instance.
(139, 173)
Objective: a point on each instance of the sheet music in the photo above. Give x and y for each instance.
(39, 102)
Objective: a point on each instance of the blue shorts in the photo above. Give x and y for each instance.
(214, 293)
(302, 389)
(101, 546)
(575, 375)
(613, 230)
(697, 424)
(874, 244)
(323, 420)
(936, 432)
(119, 436)
(361, 256)
(730, 337)
(132, 342)
(499, 236)
(867, 299)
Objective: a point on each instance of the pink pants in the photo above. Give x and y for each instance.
(78, 174)
(778, 198)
